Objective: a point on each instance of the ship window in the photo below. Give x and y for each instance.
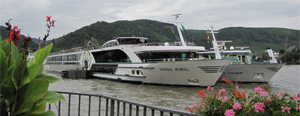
(104, 68)
(110, 56)
(159, 56)
(137, 72)
(64, 58)
(78, 56)
(131, 41)
(132, 72)
(109, 44)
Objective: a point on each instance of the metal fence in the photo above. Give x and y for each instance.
(80, 104)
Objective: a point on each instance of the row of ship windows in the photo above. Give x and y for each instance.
(72, 57)
(63, 63)
(110, 44)
(111, 70)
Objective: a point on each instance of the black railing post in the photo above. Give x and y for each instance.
(79, 99)
(130, 109)
(69, 107)
(124, 108)
(137, 110)
(152, 112)
(49, 106)
(99, 106)
(59, 102)
(145, 110)
(112, 107)
(89, 113)
(106, 110)
(118, 109)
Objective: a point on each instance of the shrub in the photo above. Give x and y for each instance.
(235, 101)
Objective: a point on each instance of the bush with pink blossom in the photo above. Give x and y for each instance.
(234, 101)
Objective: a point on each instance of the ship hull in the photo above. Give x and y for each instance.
(250, 72)
(186, 73)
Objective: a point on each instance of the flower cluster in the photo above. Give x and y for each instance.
(259, 107)
(227, 81)
(50, 23)
(14, 35)
(232, 100)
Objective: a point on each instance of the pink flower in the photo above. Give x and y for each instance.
(222, 92)
(194, 106)
(295, 97)
(237, 106)
(237, 87)
(223, 98)
(264, 94)
(282, 93)
(259, 106)
(285, 108)
(229, 112)
(268, 99)
(208, 87)
(212, 88)
(258, 89)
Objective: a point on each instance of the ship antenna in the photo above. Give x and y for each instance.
(178, 28)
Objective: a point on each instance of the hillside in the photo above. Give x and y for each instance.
(257, 38)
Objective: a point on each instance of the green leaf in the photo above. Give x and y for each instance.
(25, 78)
(14, 52)
(34, 70)
(36, 67)
(31, 93)
(2, 98)
(42, 54)
(6, 47)
(50, 78)
(18, 72)
(38, 109)
(0, 42)
(7, 90)
(48, 113)
(3, 55)
(50, 97)
(16, 76)
(3, 64)
(12, 64)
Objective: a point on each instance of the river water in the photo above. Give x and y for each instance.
(171, 97)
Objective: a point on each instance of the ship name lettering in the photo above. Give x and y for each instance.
(165, 69)
(182, 69)
(234, 73)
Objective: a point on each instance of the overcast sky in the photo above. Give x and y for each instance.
(70, 15)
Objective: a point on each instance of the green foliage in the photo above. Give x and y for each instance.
(24, 87)
(290, 57)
